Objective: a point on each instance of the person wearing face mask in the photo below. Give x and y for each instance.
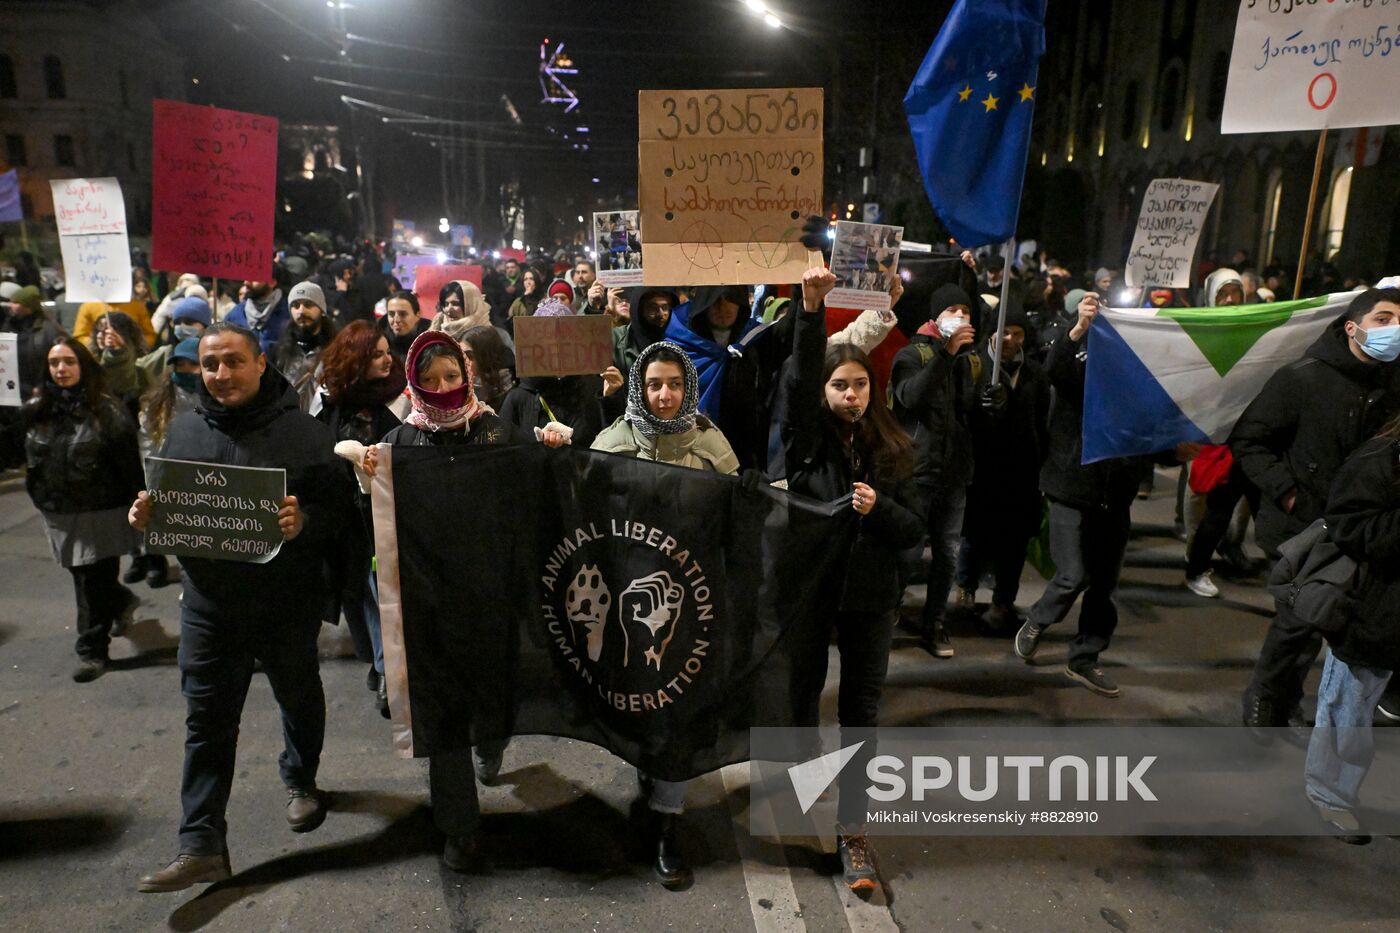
(189, 316)
(1290, 442)
(933, 391)
(447, 413)
(297, 354)
(661, 424)
(402, 323)
(840, 440)
(82, 468)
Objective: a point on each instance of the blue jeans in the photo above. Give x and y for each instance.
(668, 796)
(1342, 746)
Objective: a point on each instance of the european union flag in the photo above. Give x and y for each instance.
(9, 197)
(970, 109)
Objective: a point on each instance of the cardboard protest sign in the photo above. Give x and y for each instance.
(213, 191)
(214, 510)
(864, 259)
(1299, 65)
(428, 280)
(576, 345)
(9, 370)
(726, 178)
(617, 242)
(91, 217)
(1168, 229)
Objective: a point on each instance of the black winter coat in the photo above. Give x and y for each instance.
(1106, 484)
(1297, 432)
(270, 431)
(822, 465)
(35, 335)
(488, 429)
(80, 460)
(577, 401)
(1363, 514)
(1008, 449)
(934, 401)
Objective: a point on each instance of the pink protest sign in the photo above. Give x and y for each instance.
(214, 186)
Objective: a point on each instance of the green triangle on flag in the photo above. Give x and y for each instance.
(1225, 335)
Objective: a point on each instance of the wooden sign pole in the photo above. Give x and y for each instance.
(1307, 221)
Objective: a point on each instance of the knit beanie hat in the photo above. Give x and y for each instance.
(193, 309)
(29, 297)
(307, 291)
(553, 307)
(560, 289)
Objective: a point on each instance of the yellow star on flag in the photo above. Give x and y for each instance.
(1026, 92)
(965, 93)
(990, 102)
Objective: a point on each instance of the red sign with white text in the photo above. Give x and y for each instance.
(213, 191)
(429, 280)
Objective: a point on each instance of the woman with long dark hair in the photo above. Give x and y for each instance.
(532, 293)
(493, 366)
(83, 471)
(402, 322)
(840, 441)
(362, 385)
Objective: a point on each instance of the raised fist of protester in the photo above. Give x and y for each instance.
(993, 399)
(1088, 310)
(612, 380)
(290, 518)
(862, 498)
(140, 515)
(816, 283)
(597, 295)
(814, 233)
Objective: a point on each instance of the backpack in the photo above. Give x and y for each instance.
(1315, 580)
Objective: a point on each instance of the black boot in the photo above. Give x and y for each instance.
(669, 864)
(137, 571)
(157, 571)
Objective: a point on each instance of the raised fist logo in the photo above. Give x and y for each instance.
(650, 607)
(586, 604)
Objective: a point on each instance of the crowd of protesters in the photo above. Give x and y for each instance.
(331, 356)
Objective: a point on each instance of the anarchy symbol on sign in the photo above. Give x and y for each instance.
(701, 245)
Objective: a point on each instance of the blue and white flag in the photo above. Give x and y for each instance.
(1156, 378)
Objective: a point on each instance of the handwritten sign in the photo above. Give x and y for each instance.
(213, 191)
(1308, 65)
(214, 510)
(429, 280)
(864, 259)
(617, 242)
(9, 370)
(1168, 228)
(91, 219)
(563, 346)
(726, 179)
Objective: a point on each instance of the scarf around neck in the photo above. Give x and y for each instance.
(257, 317)
(639, 415)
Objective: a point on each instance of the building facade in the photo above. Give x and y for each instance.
(76, 85)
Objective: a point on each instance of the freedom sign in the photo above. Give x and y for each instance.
(1308, 65)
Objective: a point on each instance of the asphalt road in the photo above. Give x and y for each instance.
(89, 779)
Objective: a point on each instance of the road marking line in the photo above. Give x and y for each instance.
(872, 916)
(765, 881)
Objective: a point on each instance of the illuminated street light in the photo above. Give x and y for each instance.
(416, 241)
(756, 7)
(772, 21)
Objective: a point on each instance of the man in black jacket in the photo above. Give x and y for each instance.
(1089, 519)
(234, 614)
(933, 387)
(1290, 442)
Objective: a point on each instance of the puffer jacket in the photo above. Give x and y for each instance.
(703, 447)
(81, 460)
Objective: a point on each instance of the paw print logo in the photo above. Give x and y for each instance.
(586, 605)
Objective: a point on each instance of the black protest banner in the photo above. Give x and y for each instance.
(656, 611)
(214, 510)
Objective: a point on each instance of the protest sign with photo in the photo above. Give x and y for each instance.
(214, 510)
(1310, 66)
(726, 179)
(429, 279)
(617, 242)
(91, 218)
(864, 259)
(1168, 229)
(403, 231)
(405, 269)
(577, 345)
(214, 179)
(9, 370)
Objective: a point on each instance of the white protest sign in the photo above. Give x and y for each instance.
(1168, 228)
(9, 370)
(91, 219)
(1310, 65)
(865, 260)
